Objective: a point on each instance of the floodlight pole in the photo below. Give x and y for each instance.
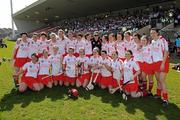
(12, 22)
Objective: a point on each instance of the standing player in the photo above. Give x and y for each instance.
(137, 55)
(120, 46)
(56, 61)
(94, 64)
(42, 44)
(44, 77)
(21, 52)
(128, 40)
(80, 44)
(111, 44)
(82, 69)
(33, 45)
(71, 42)
(62, 39)
(53, 41)
(104, 43)
(69, 68)
(160, 64)
(88, 45)
(29, 78)
(147, 63)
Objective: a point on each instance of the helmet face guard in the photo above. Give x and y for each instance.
(73, 93)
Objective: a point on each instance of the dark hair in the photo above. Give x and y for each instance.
(129, 52)
(86, 35)
(35, 55)
(155, 29)
(24, 33)
(137, 35)
(112, 34)
(104, 51)
(120, 33)
(106, 37)
(80, 34)
(43, 33)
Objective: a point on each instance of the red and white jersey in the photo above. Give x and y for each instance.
(104, 47)
(56, 62)
(70, 43)
(129, 68)
(70, 65)
(23, 49)
(62, 45)
(165, 43)
(50, 46)
(31, 69)
(79, 44)
(33, 47)
(111, 48)
(103, 70)
(158, 48)
(95, 62)
(42, 46)
(85, 63)
(121, 49)
(137, 52)
(147, 54)
(88, 47)
(116, 67)
(129, 44)
(44, 66)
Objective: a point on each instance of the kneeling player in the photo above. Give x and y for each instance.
(105, 69)
(69, 68)
(44, 77)
(29, 78)
(130, 71)
(82, 69)
(56, 62)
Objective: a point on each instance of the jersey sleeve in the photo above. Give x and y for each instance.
(64, 60)
(136, 66)
(25, 66)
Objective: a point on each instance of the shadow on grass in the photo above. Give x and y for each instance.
(151, 107)
(14, 97)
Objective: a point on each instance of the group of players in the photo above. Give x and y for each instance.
(114, 61)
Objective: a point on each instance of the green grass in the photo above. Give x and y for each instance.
(53, 104)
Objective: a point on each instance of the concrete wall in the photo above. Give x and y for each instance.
(27, 26)
(144, 30)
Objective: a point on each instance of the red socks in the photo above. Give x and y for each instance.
(158, 92)
(165, 96)
(144, 84)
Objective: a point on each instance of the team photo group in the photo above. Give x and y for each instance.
(123, 62)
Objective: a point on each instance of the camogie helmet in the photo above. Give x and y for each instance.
(73, 93)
